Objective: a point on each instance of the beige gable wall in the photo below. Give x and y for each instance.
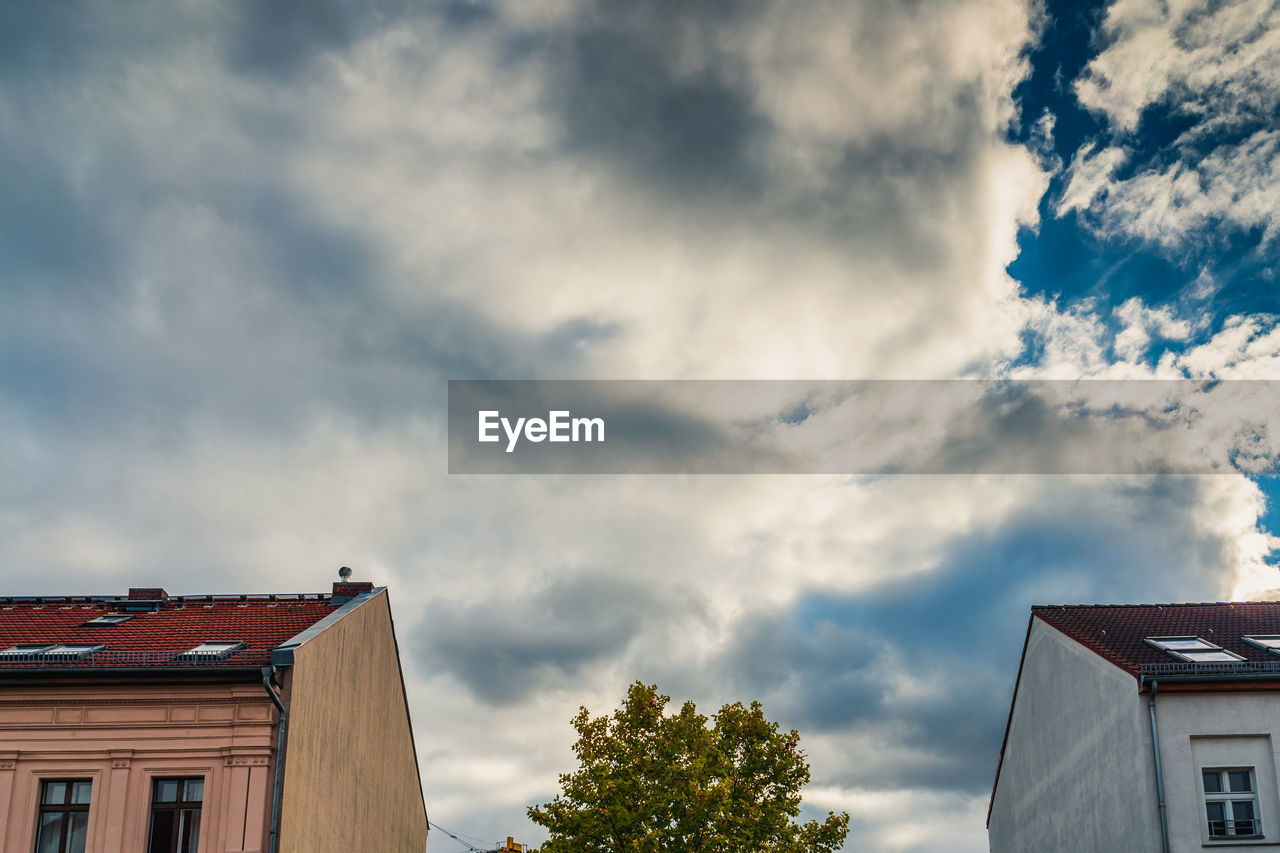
(351, 779)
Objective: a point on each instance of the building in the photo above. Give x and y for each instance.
(1142, 728)
(152, 723)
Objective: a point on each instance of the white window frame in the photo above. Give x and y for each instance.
(1266, 642)
(1227, 798)
(213, 650)
(1189, 655)
(53, 651)
(23, 650)
(109, 619)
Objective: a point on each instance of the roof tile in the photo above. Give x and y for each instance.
(1117, 631)
(260, 622)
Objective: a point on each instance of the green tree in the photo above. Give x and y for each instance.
(649, 781)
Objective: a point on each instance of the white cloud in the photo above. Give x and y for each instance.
(1239, 184)
(1220, 61)
(909, 821)
(1215, 64)
(1140, 324)
(1089, 175)
(1077, 342)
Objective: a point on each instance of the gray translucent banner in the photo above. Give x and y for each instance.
(863, 427)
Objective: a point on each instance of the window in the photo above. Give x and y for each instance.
(175, 815)
(1271, 644)
(1193, 650)
(25, 650)
(109, 619)
(1231, 802)
(63, 821)
(72, 651)
(52, 651)
(212, 651)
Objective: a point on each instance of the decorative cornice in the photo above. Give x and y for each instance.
(246, 756)
(183, 700)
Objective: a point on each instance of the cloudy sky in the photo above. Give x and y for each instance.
(244, 245)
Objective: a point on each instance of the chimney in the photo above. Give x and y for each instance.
(144, 598)
(346, 589)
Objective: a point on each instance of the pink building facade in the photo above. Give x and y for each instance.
(153, 724)
(122, 740)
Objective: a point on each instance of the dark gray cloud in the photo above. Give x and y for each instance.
(50, 234)
(281, 39)
(620, 98)
(46, 42)
(502, 651)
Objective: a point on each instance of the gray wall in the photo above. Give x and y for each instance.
(1230, 729)
(1078, 776)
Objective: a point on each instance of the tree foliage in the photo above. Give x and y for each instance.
(649, 781)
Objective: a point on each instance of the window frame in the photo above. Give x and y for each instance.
(1189, 655)
(104, 620)
(66, 808)
(73, 651)
(1227, 798)
(201, 653)
(64, 652)
(22, 650)
(178, 805)
(1266, 642)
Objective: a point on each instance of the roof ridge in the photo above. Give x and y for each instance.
(1151, 604)
(109, 599)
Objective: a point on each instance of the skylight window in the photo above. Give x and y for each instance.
(212, 651)
(52, 651)
(109, 619)
(25, 650)
(73, 651)
(1193, 650)
(1269, 643)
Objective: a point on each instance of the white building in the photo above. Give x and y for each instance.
(1142, 729)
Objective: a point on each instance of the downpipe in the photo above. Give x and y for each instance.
(1155, 749)
(273, 842)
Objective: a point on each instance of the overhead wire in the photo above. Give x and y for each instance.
(465, 844)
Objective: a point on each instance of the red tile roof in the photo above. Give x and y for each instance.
(179, 624)
(1116, 631)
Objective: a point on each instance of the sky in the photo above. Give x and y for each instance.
(244, 245)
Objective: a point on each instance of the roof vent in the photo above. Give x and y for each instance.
(346, 589)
